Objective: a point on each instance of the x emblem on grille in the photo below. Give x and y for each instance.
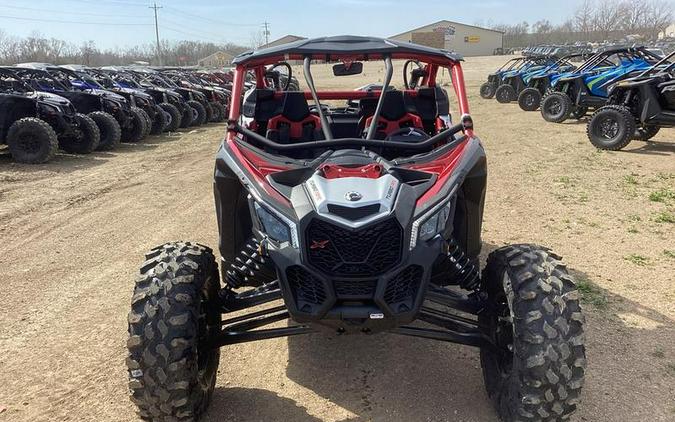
(319, 244)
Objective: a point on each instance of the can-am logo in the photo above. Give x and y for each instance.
(353, 196)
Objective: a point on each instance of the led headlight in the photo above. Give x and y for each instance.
(276, 226)
(430, 224)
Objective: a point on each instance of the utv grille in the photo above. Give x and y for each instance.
(369, 251)
(307, 289)
(355, 289)
(402, 289)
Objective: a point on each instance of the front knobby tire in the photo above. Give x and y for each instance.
(174, 315)
(487, 91)
(109, 130)
(556, 107)
(32, 141)
(529, 99)
(85, 139)
(505, 94)
(135, 132)
(535, 370)
(201, 116)
(611, 128)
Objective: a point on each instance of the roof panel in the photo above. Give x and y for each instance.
(346, 44)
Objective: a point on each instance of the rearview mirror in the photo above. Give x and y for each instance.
(347, 69)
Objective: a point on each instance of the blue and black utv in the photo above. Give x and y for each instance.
(489, 88)
(538, 83)
(572, 95)
(637, 108)
(513, 81)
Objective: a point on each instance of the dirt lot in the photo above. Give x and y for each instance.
(73, 233)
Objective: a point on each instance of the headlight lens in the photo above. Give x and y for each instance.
(276, 226)
(431, 224)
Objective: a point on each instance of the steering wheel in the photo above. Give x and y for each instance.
(415, 75)
(408, 134)
(275, 76)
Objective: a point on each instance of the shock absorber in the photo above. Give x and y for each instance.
(251, 267)
(456, 268)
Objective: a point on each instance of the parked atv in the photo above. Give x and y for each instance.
(142, 104)
(104, 108)
(574, 94)
(217, 98)
(34, 124)
(489, 88)
(354, 225)
(538, 83)
(637, 108)
(196, 114)
(514, 81)
(171, 102)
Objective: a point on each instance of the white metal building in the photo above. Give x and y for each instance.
(468, 40)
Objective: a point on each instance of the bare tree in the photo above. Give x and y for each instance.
(607, 17)
(658, 17)
(583, 18)
(257, 39)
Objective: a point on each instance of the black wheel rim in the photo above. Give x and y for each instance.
(553, 106)
(529, 100)
(606, 128)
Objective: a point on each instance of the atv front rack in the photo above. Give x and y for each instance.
(442, 310)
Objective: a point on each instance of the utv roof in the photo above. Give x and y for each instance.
(346, 45)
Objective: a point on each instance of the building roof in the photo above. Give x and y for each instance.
(283, 40)
(346, 44)
(217, 54)
(429, 26)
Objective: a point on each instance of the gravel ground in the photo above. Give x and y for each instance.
(74, 230)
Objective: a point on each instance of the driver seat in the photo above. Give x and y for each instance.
(394, 116)
(295, 122)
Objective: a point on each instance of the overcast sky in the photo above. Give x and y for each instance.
(112, 23)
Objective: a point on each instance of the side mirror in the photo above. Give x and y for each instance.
(343, 69)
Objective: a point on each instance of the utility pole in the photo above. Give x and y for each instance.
(267, 32)
(159, 52)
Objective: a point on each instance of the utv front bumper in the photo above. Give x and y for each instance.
(365, 279)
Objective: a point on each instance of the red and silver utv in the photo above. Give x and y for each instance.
(353, 211)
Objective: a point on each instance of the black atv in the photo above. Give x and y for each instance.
(172, 103)
(574, 93)
(636, 108)
(142, 104)
(348, 220)
(34, 124)
(198, 111)
(217, 97)
(102, 108)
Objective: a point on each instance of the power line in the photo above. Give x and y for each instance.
(159, 53)
(67, 12)
(74, 22)
(218, 21)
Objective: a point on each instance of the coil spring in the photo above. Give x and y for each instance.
(251, 267)
(462, 269)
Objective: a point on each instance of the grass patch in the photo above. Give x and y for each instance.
(638, 260)
(669, 254)
(630, 179)
(662, 195)
(633, 230)
(670, 366)
(634, 217)
(592, 294)
(665, 217)
(658, 353)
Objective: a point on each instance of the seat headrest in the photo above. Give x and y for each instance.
(394, 105)
(295, 107)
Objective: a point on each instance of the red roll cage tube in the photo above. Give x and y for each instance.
(442, 166)
(432, 65)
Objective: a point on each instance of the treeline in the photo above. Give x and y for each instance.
(595, 21)
(37, 48)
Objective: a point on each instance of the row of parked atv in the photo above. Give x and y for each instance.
(81, 109)
(630, 90)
